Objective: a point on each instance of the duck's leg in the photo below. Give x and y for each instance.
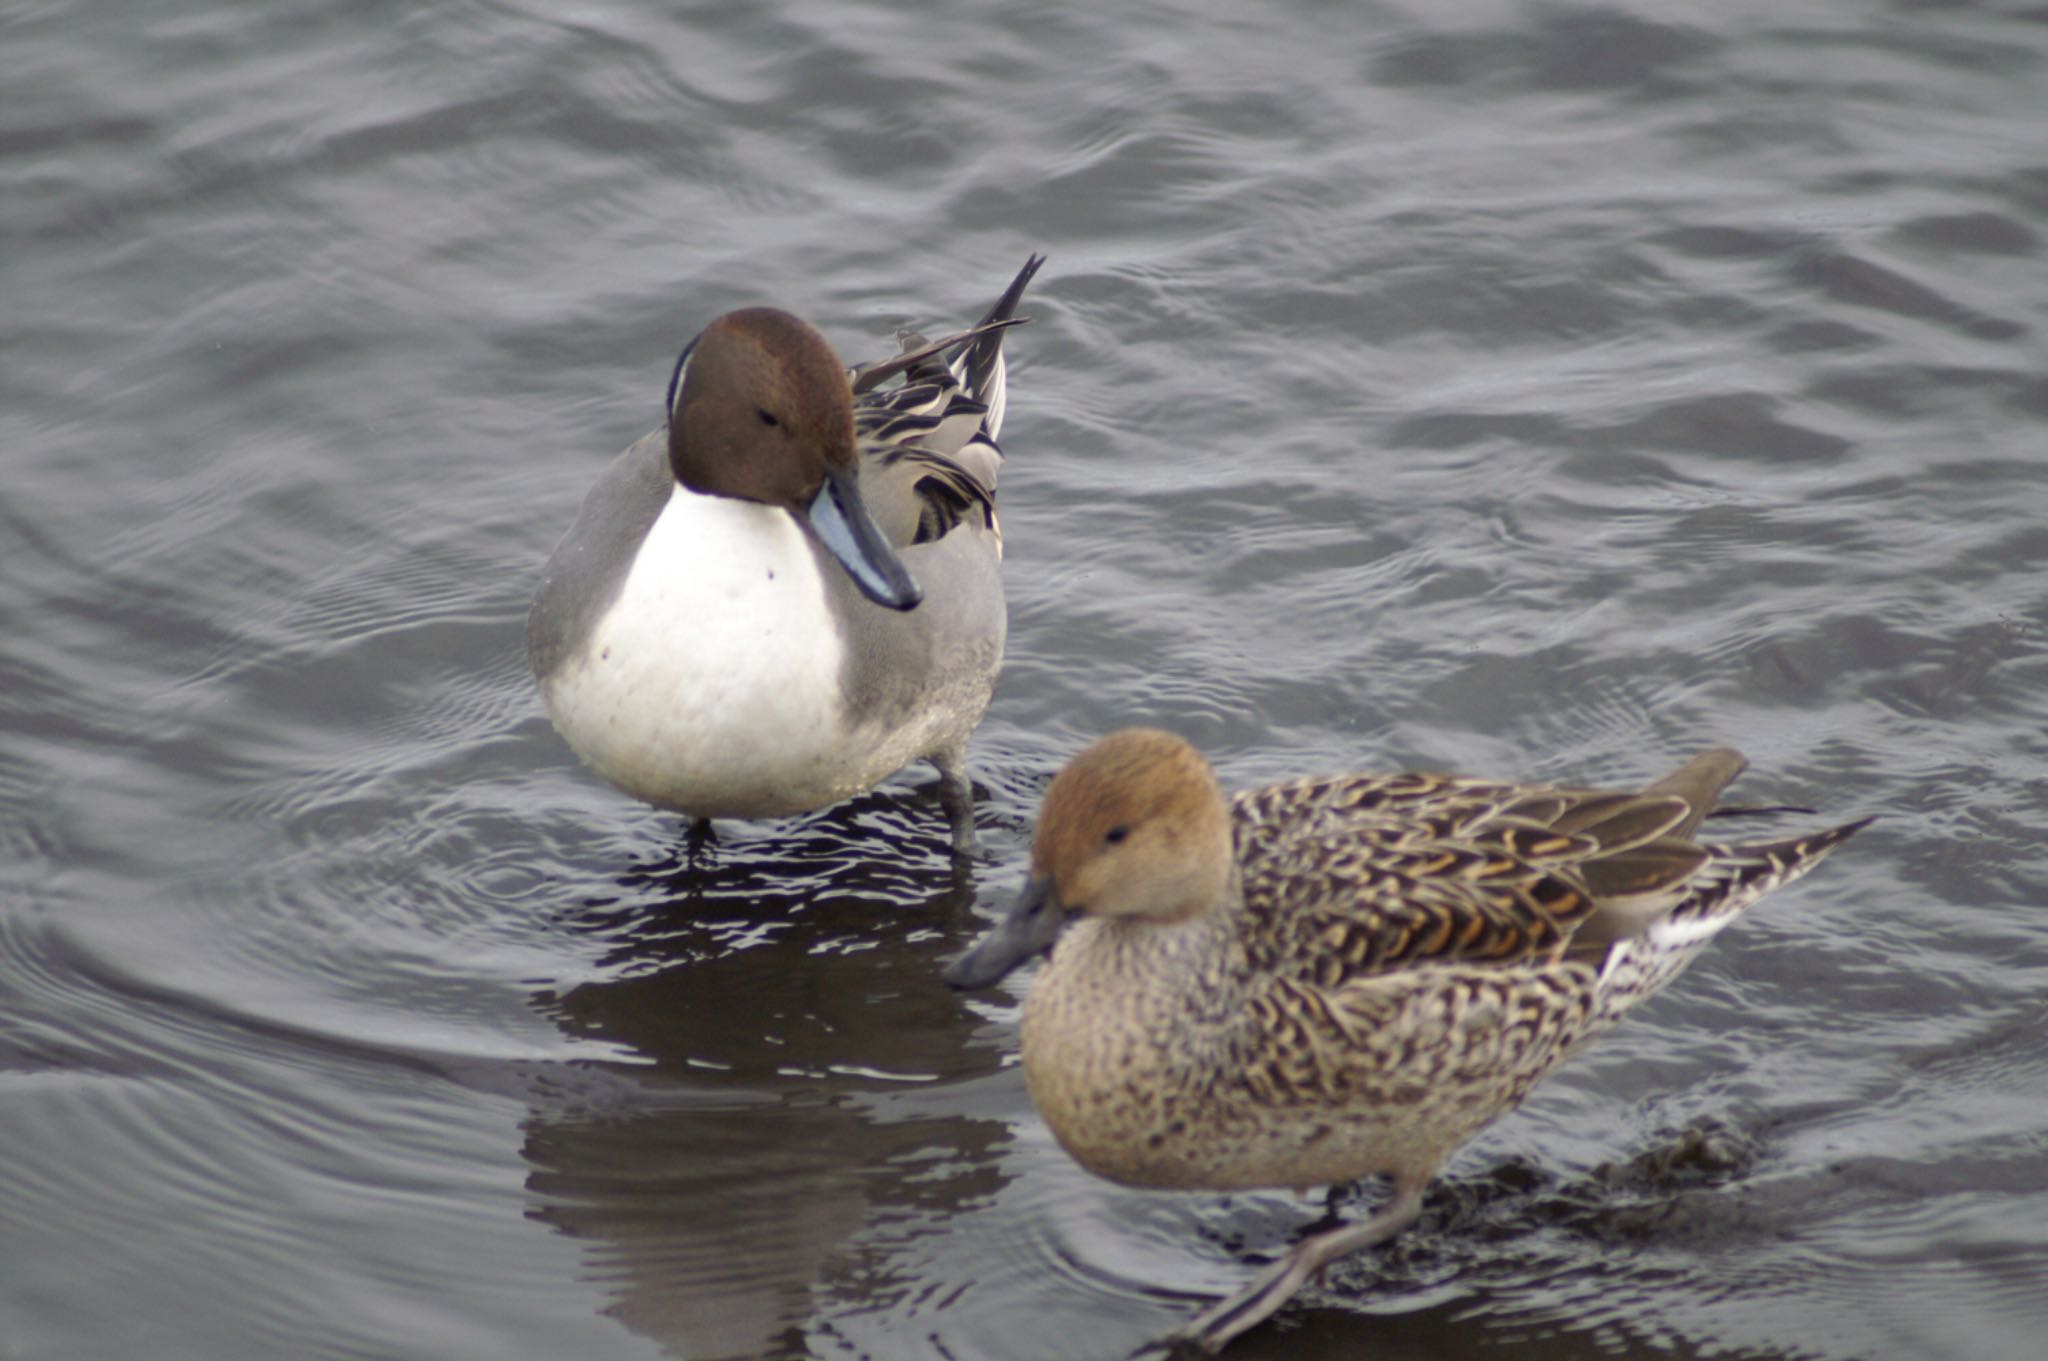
(1276, 1285)
(701, 837)
(956, 797)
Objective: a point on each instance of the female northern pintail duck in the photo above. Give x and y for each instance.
(793, 590)
(1336, 978)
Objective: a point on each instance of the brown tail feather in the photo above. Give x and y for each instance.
(1781, 861)
(1700, 782)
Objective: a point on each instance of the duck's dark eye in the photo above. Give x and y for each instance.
(1115, 835)
(767, 417)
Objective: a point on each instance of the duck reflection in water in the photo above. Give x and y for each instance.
(776, 1117)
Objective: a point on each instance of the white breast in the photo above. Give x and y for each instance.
(711, 685)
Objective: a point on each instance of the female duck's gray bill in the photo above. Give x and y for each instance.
(1033, 925)
(846, 529)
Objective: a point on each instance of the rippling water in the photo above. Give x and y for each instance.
(1527, 389)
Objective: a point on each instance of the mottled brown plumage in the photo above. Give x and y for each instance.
(1329, 979)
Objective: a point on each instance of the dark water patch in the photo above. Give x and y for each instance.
(1578, 49)
(1983, 233)
(1858, 282)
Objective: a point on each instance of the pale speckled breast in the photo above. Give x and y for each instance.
(1174, 1068)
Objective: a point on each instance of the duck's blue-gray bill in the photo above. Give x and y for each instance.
(1029, 930)
(850, 534)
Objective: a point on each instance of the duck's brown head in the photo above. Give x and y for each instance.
(760, 410)
(1134, 827)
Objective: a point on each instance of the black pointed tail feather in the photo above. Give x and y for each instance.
(980, 360)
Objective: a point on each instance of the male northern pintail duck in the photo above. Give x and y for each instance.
(792, 590)
(1329, 979)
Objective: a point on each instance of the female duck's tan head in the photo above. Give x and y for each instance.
(760, 410)
(1133, 828)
